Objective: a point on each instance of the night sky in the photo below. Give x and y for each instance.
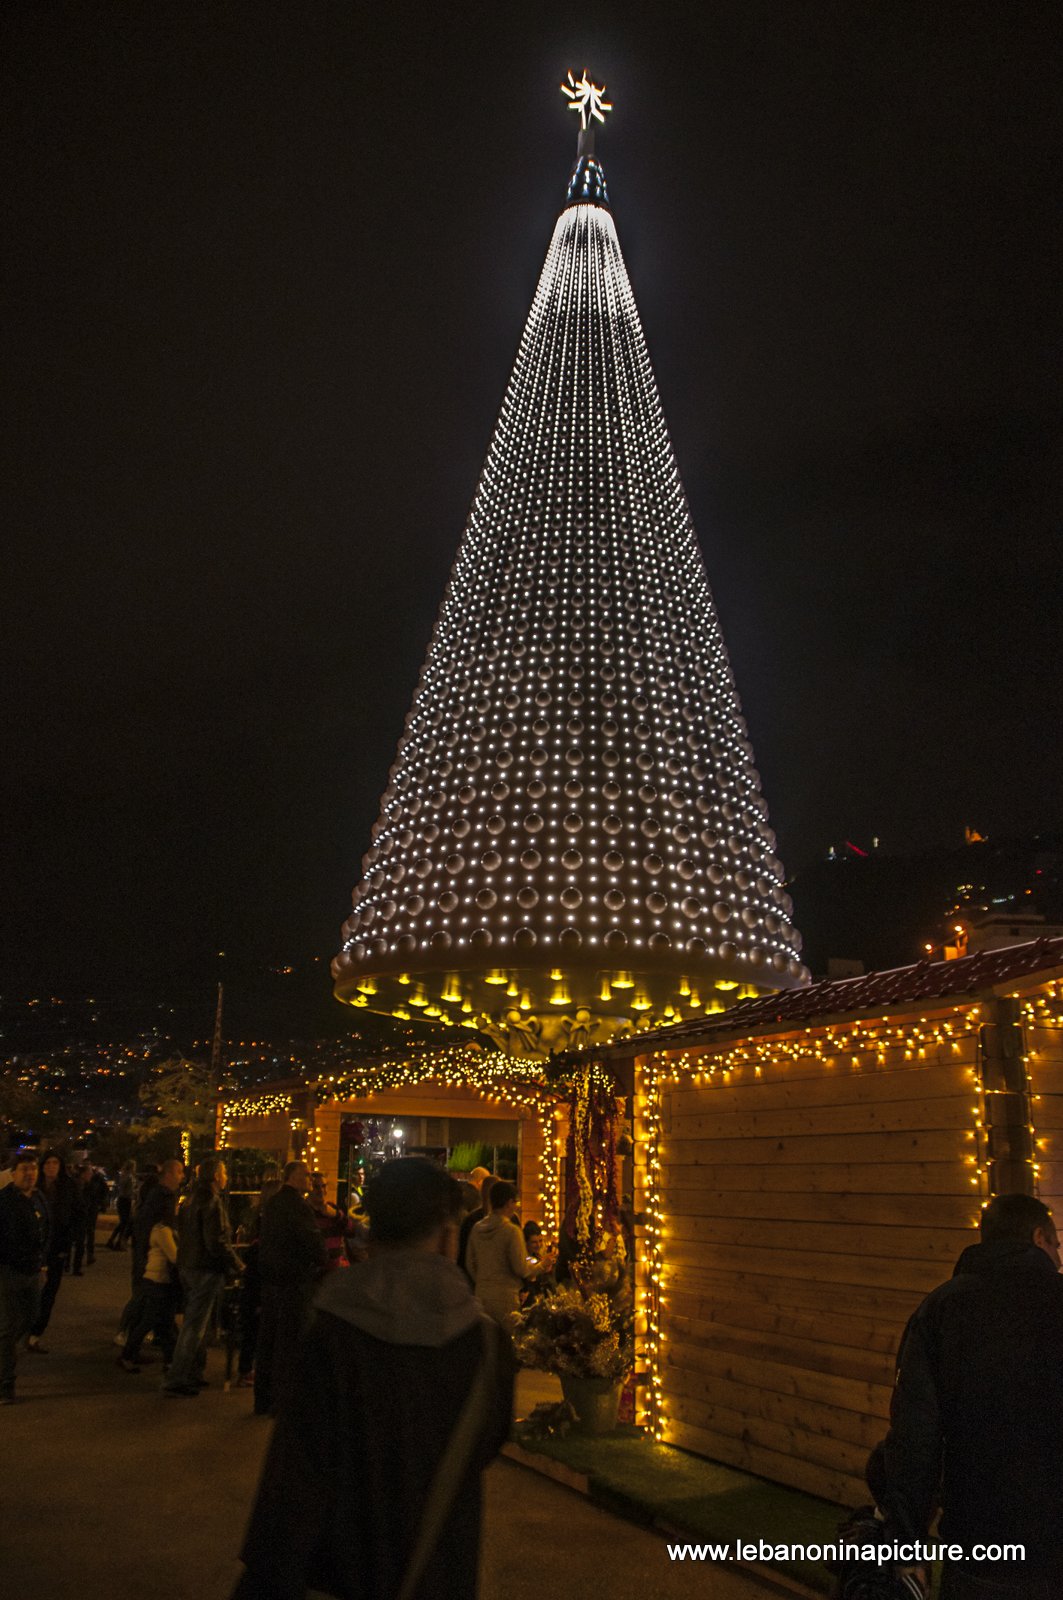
(266, 268)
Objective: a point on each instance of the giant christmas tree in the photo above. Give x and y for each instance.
(573, 842)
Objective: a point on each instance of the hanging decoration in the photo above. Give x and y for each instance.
(592, 1202)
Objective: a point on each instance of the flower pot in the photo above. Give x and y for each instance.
(596, 1402)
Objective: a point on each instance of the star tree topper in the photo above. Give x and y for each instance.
(587, 98)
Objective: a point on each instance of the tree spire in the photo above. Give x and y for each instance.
(588, 100)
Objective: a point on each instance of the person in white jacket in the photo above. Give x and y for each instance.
(497, 1260)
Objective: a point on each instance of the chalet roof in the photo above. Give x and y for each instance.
(875, 991)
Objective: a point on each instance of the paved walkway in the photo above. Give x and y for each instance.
(101, 1480)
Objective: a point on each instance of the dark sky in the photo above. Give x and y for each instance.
(266, 268)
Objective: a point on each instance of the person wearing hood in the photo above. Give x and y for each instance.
(976, 1421)
(402, 1393)
(497, 1260)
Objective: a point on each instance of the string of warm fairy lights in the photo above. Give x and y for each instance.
(648, 1133)
(270, 1103)
(502, 1079)
(1041, 1010)
(1042, 1014)
(865, 1045)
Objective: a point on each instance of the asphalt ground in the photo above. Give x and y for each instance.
(108, 1491)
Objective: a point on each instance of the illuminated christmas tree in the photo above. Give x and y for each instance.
(573, 841)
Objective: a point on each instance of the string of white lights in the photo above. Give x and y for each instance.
(575, 785)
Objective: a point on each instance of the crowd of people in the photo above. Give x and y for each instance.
(186, 1260)
(378, 1338)
(418, 1380)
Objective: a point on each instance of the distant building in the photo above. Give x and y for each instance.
(886, 909)
(998, 930)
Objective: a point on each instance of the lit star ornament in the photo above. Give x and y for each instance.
(587, 98)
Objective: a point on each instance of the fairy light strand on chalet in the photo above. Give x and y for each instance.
(851, 1046)
(1043, 1014)
(573, 842)
(268, 1104)
(499, 1076)
(521, 1083)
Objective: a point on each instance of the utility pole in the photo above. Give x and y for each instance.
(215, 1049)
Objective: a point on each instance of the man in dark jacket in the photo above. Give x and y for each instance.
(24, 1235)
(292, 1255)
(89, 1184)
(205, 1258)
(483, 1181)
(155, 1204)
(398, 1370)
(977, 1416)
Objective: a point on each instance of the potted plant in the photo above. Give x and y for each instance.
(585, 1336)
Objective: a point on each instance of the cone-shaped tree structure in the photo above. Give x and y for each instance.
(573, 840)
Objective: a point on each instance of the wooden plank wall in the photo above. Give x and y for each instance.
(1045, 1066)
(806, 1212)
